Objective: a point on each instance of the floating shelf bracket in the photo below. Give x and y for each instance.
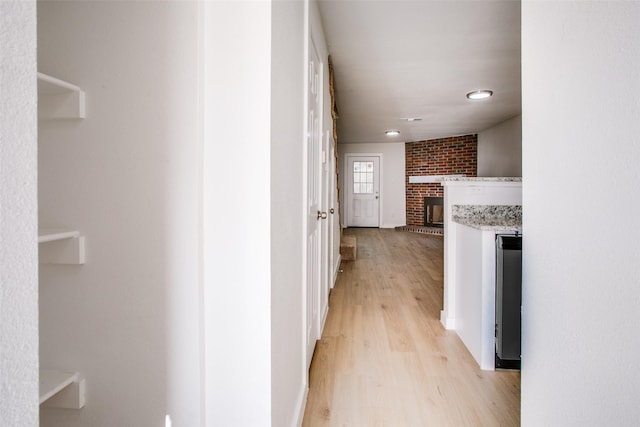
(61, 246)
(60, 389)
(58, 99)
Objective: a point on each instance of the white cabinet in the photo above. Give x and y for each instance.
(475, 293)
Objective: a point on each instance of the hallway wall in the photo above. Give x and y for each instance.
(253, 273)
(237, 213)
(288, 385)
(500, 149)
(580, 364)
(18, 216)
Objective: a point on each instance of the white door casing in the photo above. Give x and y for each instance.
(324, 232)
(363, 190)
(332, 212)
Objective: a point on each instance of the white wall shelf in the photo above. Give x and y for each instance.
(60, 389)
(58, 246)
(58, 99)
(53, 234)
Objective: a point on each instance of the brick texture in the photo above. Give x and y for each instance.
(444, 156)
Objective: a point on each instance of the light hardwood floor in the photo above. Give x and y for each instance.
(384, 358)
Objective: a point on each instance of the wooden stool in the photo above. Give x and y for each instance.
(348, 247)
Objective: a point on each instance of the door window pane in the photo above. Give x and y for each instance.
(363, 177)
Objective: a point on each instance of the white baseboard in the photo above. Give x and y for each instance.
(336, 270)
(301, 404)
(324, 319)
(448, 322)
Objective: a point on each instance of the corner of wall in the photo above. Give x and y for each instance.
(18, 215)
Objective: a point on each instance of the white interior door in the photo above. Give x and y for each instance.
(363, 191)
(314, 200)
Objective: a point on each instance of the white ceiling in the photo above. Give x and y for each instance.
(402, 58)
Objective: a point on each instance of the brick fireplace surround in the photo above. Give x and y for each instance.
(457, 155)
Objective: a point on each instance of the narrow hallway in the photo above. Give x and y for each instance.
(385, 359)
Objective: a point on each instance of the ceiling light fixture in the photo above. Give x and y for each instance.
(392, 133)
(479, 94)
(411, 119)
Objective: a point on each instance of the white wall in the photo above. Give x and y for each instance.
(500, 149)
(288, 386)
(254, 280)
(128, 178)
(18, 216)
(237, 213)
(393, 204)
(580, 364)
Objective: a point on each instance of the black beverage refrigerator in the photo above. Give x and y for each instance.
(508, 300)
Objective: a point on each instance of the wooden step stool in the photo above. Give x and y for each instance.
(348, 247)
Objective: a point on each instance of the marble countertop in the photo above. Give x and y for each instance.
(489, 181)
(483, 178)
(489, 217)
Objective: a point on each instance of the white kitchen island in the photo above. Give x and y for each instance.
(460, 307)
(474, 299)
(468, 191)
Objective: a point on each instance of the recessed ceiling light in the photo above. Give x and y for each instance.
(392, 133)
(411, 119)
(480, 94)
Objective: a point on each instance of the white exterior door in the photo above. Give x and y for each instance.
(363, 191)
(314, 201)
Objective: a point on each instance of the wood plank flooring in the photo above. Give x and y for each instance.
(384, 358)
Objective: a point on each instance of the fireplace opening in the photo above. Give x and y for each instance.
(433, 212)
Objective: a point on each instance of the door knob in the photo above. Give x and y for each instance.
(322, 215)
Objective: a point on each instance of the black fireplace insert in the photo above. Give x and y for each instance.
(433, 212)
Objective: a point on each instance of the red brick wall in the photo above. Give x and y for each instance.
(444, 156)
